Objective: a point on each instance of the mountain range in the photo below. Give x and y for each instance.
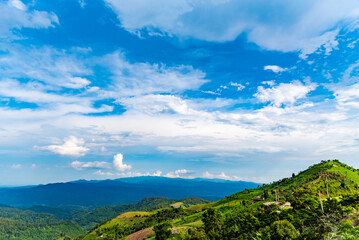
(91, 194)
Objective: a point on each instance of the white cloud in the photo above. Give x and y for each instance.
(151, 104)
(292, 25)
(275, 68)
(348, 97)
(284, 93)
(239, 86)
(270, 83)
(82, 3)
(208, 175)
(33, 165)
(54, 67)
(16, 166)
(157, 173)
(131, 79)
(15, 15)
(101, 173)
(222, 175)
(181, 171)
(118, 163)
(18, 4)
(96, 164)
(72, 146)
(32, 92)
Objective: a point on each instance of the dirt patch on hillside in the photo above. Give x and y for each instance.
(140, 234)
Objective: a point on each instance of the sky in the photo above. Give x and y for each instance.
(247, 90)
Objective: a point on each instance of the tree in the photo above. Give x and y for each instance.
(162, 231)
(265, 194)
(283, 229)
(213, 221)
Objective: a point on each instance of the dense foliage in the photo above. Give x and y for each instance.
(41, 222)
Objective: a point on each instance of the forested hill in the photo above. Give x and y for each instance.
(92, 194)
(319, 203)
(40, 222)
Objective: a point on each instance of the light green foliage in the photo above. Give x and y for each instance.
(283, 229)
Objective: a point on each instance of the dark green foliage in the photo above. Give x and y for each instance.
(162, 231)
(11, 229)
(213, 222)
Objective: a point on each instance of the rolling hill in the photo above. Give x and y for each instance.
(318, 203)
(41, 222)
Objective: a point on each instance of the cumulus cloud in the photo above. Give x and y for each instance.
(118, 163)
(293, 25)
(284, 93)
(72, 146)
(275, 68)
(96, 164)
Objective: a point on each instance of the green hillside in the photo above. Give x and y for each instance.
(318, 203)
(41, 222)
(89, 218)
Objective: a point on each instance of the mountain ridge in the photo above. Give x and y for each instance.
(98, 193)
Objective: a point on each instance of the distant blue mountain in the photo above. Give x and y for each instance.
(119, 191)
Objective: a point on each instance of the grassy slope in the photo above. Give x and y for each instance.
(342, 180)
(101, 214)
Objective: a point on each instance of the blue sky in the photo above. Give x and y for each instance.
(239, 90)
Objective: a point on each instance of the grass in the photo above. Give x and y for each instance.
(177, 204)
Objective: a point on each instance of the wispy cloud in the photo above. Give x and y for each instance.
(96, 164)
(16, 15)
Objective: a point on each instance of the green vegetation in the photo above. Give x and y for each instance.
(321, 202)
(12, 229)
(162, 231)
(318, 203)
(41, 222)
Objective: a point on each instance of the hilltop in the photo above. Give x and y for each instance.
(314, 204)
